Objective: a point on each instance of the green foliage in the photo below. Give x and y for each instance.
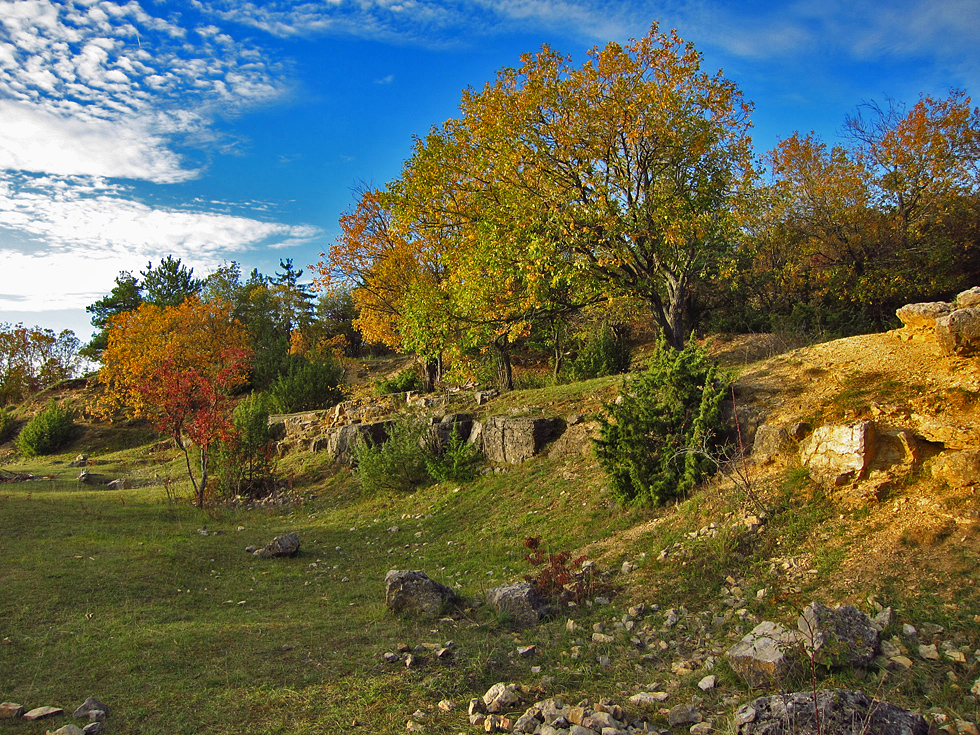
(604, 352)
(456, 462)
(7, 424)
(398, 463)
(244, 460)
(307, 385)
(668, 411)
(47, 432)
(405, 381)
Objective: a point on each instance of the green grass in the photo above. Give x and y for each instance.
(115, 594)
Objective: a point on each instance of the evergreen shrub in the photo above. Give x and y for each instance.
(307, 385)
(647, 444)
(405, 381)
(604, 352)
(398, 463)
(244, 459)
(456, 463)
(47, 432)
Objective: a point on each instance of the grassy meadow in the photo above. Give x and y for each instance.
(154, 606)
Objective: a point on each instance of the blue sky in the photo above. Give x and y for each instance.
(215, 130)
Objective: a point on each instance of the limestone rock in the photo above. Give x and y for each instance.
(765, 656)
(683, 714)
(958, 333)
(969, 298)
(9, 710)
(287, 545)
(482, 397)
(840, 711)
(501, 697)
(339, 442)
(843, 636)
(770, 440)
(94, 728)
(920, 319)
(91, 704)
(520, 601)
(951, 436)
(441, 434)
(413, 592)
(68, 730)
(576, 441)
(840, 453)
(40, 713)
(120, 484)
(959, 469)
(516, 440)
(648, 699)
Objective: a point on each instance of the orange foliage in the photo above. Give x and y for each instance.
(194, 336)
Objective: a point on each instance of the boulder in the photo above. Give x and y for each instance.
(952, 436)
(40, 713)
(840, 712)
(519, 601)
(482, 397)
(442, 432)
(969, 298)
(501, 697)
(91, 704)
(767, 655)
(287, 545)
(68, 730)
(516, 440)
(958, 333)
(919, 320)
(841, 636)
(958, 469)
(120, 484)
(413, 592)
(840, 454)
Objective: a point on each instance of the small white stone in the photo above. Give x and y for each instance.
(707, 683)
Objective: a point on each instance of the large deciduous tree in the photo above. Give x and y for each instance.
(624, 169)
(175, 366)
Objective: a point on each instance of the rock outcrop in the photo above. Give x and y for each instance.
(767, 655)
(840, 454)
(837, 711)
(516, 440)
(842, 636)
(287, 545)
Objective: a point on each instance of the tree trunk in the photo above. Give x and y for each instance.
(505, 372)
(676, 316)
(204, 477)
(432, 371)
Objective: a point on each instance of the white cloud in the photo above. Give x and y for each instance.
(102, 104)
(34, 138)
(85, 234)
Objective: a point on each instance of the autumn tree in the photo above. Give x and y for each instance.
(33, 358)
(623, 170)
(886, 216)
(393, 274)
(175, 365)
